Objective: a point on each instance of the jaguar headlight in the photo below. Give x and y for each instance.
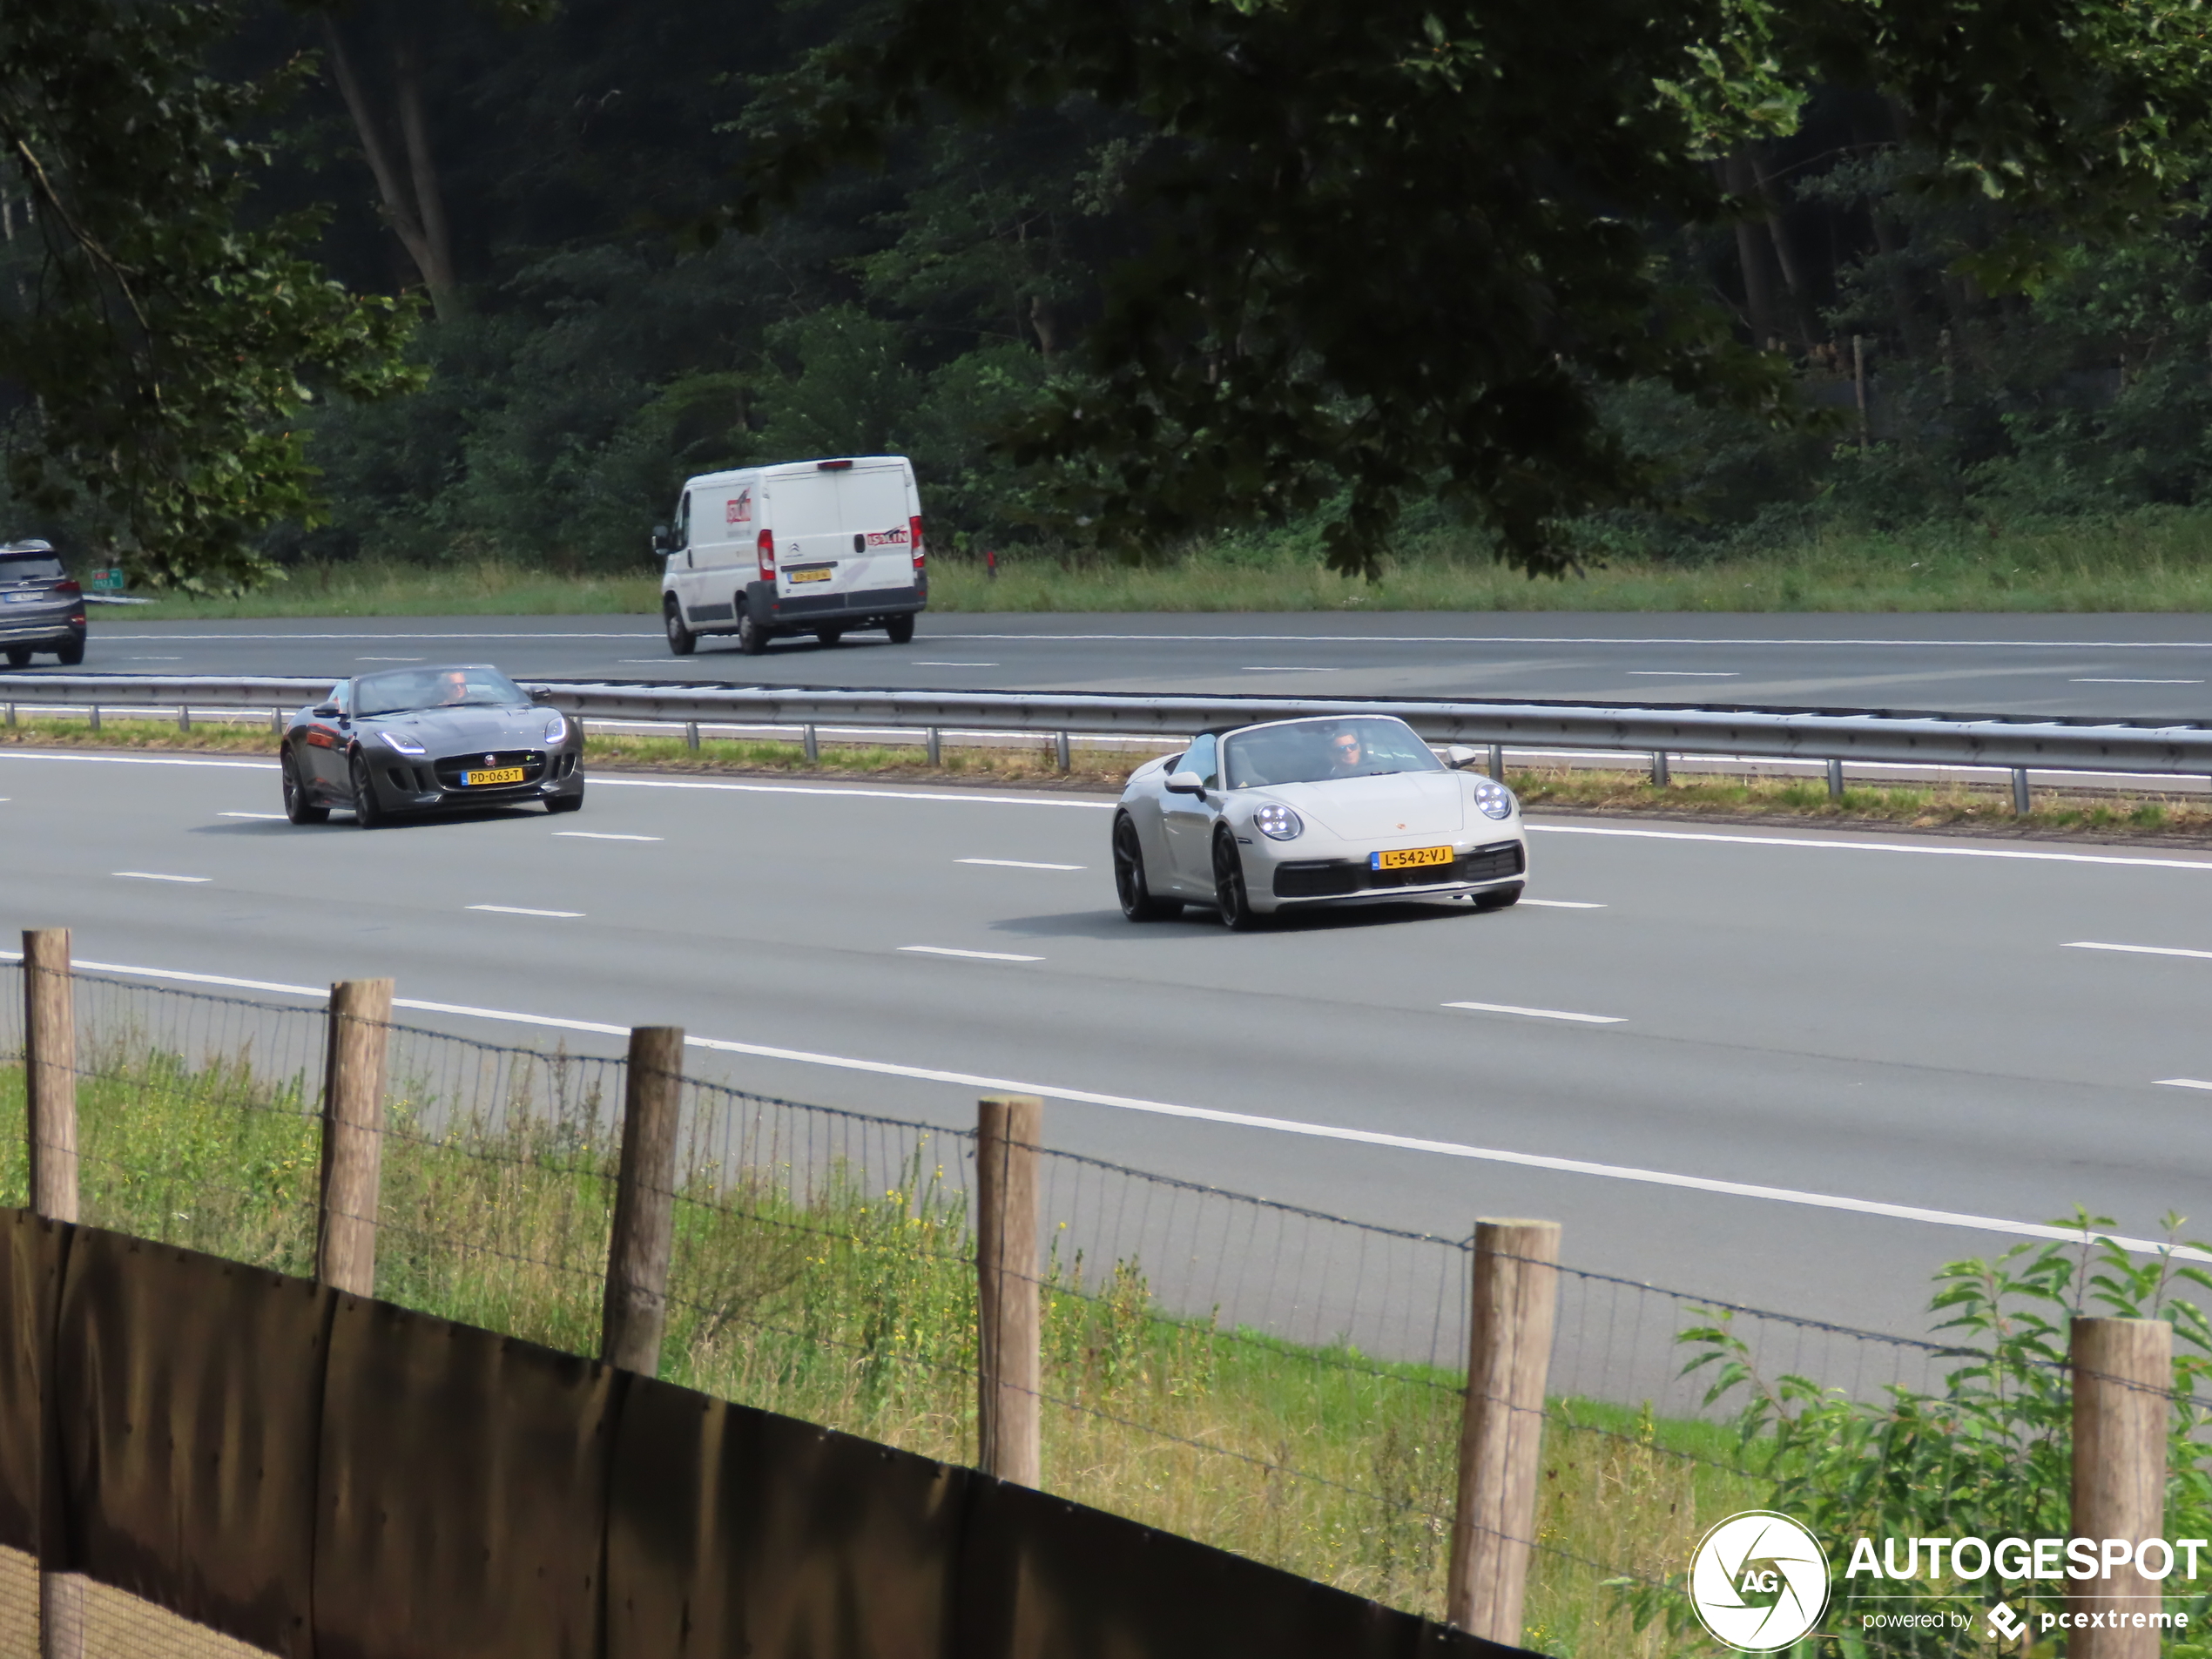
(405, 745)
(1493, 797)
(556, 728)
(1279, 823)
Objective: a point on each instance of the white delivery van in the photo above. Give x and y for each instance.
(806, 547)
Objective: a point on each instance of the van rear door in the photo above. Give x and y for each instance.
(842, 529)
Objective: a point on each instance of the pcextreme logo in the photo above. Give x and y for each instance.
(1759, 1581)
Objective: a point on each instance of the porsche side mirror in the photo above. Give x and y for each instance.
(325, 710)
(1459, 755)
(541, 694)
(661, 543)
(1186, 783)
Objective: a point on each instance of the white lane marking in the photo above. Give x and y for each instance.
(1288, 668)
(1564, 904)
(388, 659)
(1204, 1114)
(454, 638)
(602, 836)
(1876, 846)
(517, 910)
(2183, 1082)
(2135, 681)
(279, 816)
(871, 794)
(151, 875)
(1539, 1014)
(1682, 673)
(922, 665)
(153, 660)
(132, 761)
(1020, 864)
(1483, 639)
(979, 956)
(2137, 950)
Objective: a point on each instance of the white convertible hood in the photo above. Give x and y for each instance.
(1381, 809)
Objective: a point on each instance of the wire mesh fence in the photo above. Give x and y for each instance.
(1279, 1382)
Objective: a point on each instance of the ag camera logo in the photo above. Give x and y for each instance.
(1759, 1581)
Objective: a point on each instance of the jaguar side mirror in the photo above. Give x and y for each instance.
(1459, 755)
(325, 710)
(1186, 783)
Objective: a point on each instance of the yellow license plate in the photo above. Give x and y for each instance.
(1409, 858)
(505, 775)
(797, 576)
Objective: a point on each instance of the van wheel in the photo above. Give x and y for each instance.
(829, 635)
(19, 656)
(901, 629)
(681, 640)
(752, 638)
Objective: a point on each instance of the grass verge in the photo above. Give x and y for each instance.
(2149, 560)
(832, 1300)
(1984, 808)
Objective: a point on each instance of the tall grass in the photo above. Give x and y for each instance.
(2151, 559)
(828, 1299)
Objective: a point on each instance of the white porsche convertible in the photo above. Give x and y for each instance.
(1258, 819)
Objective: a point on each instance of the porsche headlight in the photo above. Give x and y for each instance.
(556, 728)
(1493, 797)
(405, 745)
(1279, 823)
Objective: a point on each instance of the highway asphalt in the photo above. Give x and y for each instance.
(1885, 1036)
(2150, 666)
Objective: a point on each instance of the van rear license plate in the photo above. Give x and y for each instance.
(797, 577)
(505, 775)
(1408, 858)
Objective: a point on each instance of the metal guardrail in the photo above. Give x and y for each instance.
(1832, 735)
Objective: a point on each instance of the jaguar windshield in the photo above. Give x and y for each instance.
(404, 689)
(1312, 751)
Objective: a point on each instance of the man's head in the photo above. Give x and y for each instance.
(452, 686)
(1346, 752)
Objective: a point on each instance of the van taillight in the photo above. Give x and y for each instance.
(767, 546)
(914, 540)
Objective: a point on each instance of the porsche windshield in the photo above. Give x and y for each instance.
(407, 689)
(1312, 751)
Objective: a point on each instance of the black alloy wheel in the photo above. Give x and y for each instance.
(1497, 898)
(565, 803)
(829, 635)
(369, 812)
(901, 629)
(752, 638)
(682, 641)
(71, 654)
(296, 806)
(1130, 885)
(1228, 895)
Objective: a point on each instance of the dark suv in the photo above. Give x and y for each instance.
(40, 608)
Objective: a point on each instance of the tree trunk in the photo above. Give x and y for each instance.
(412, 202)
(1752, 252)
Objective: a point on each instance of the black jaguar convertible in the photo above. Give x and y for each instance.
(429, 739)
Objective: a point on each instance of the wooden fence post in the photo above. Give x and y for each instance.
(1510, 1346)
(49, 1091)
(636, 1311)
(49, 1071)
(1009, 1425)
(352, 1133)
(2123, 1373)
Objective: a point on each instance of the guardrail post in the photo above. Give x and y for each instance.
(1008, 1423)
(184, 717)
(1509, 1346)
(49, 1071)
(1835, 781)
(49, 1078)
(1060, 755)
(276, 722)
(936, 748)
(691, 734)
(811, 742)
(635, 1313)
(95, 716)
(11, 714)
(2020, 802)
(2123, 1373)
(1658, 768)
(1498, 762)
(360, 1032)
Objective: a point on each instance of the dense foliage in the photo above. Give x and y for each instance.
(1115, 278)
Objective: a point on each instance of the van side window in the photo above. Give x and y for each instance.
(1203, 760)
(683, 526)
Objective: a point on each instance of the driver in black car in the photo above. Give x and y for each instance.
(452, 687)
